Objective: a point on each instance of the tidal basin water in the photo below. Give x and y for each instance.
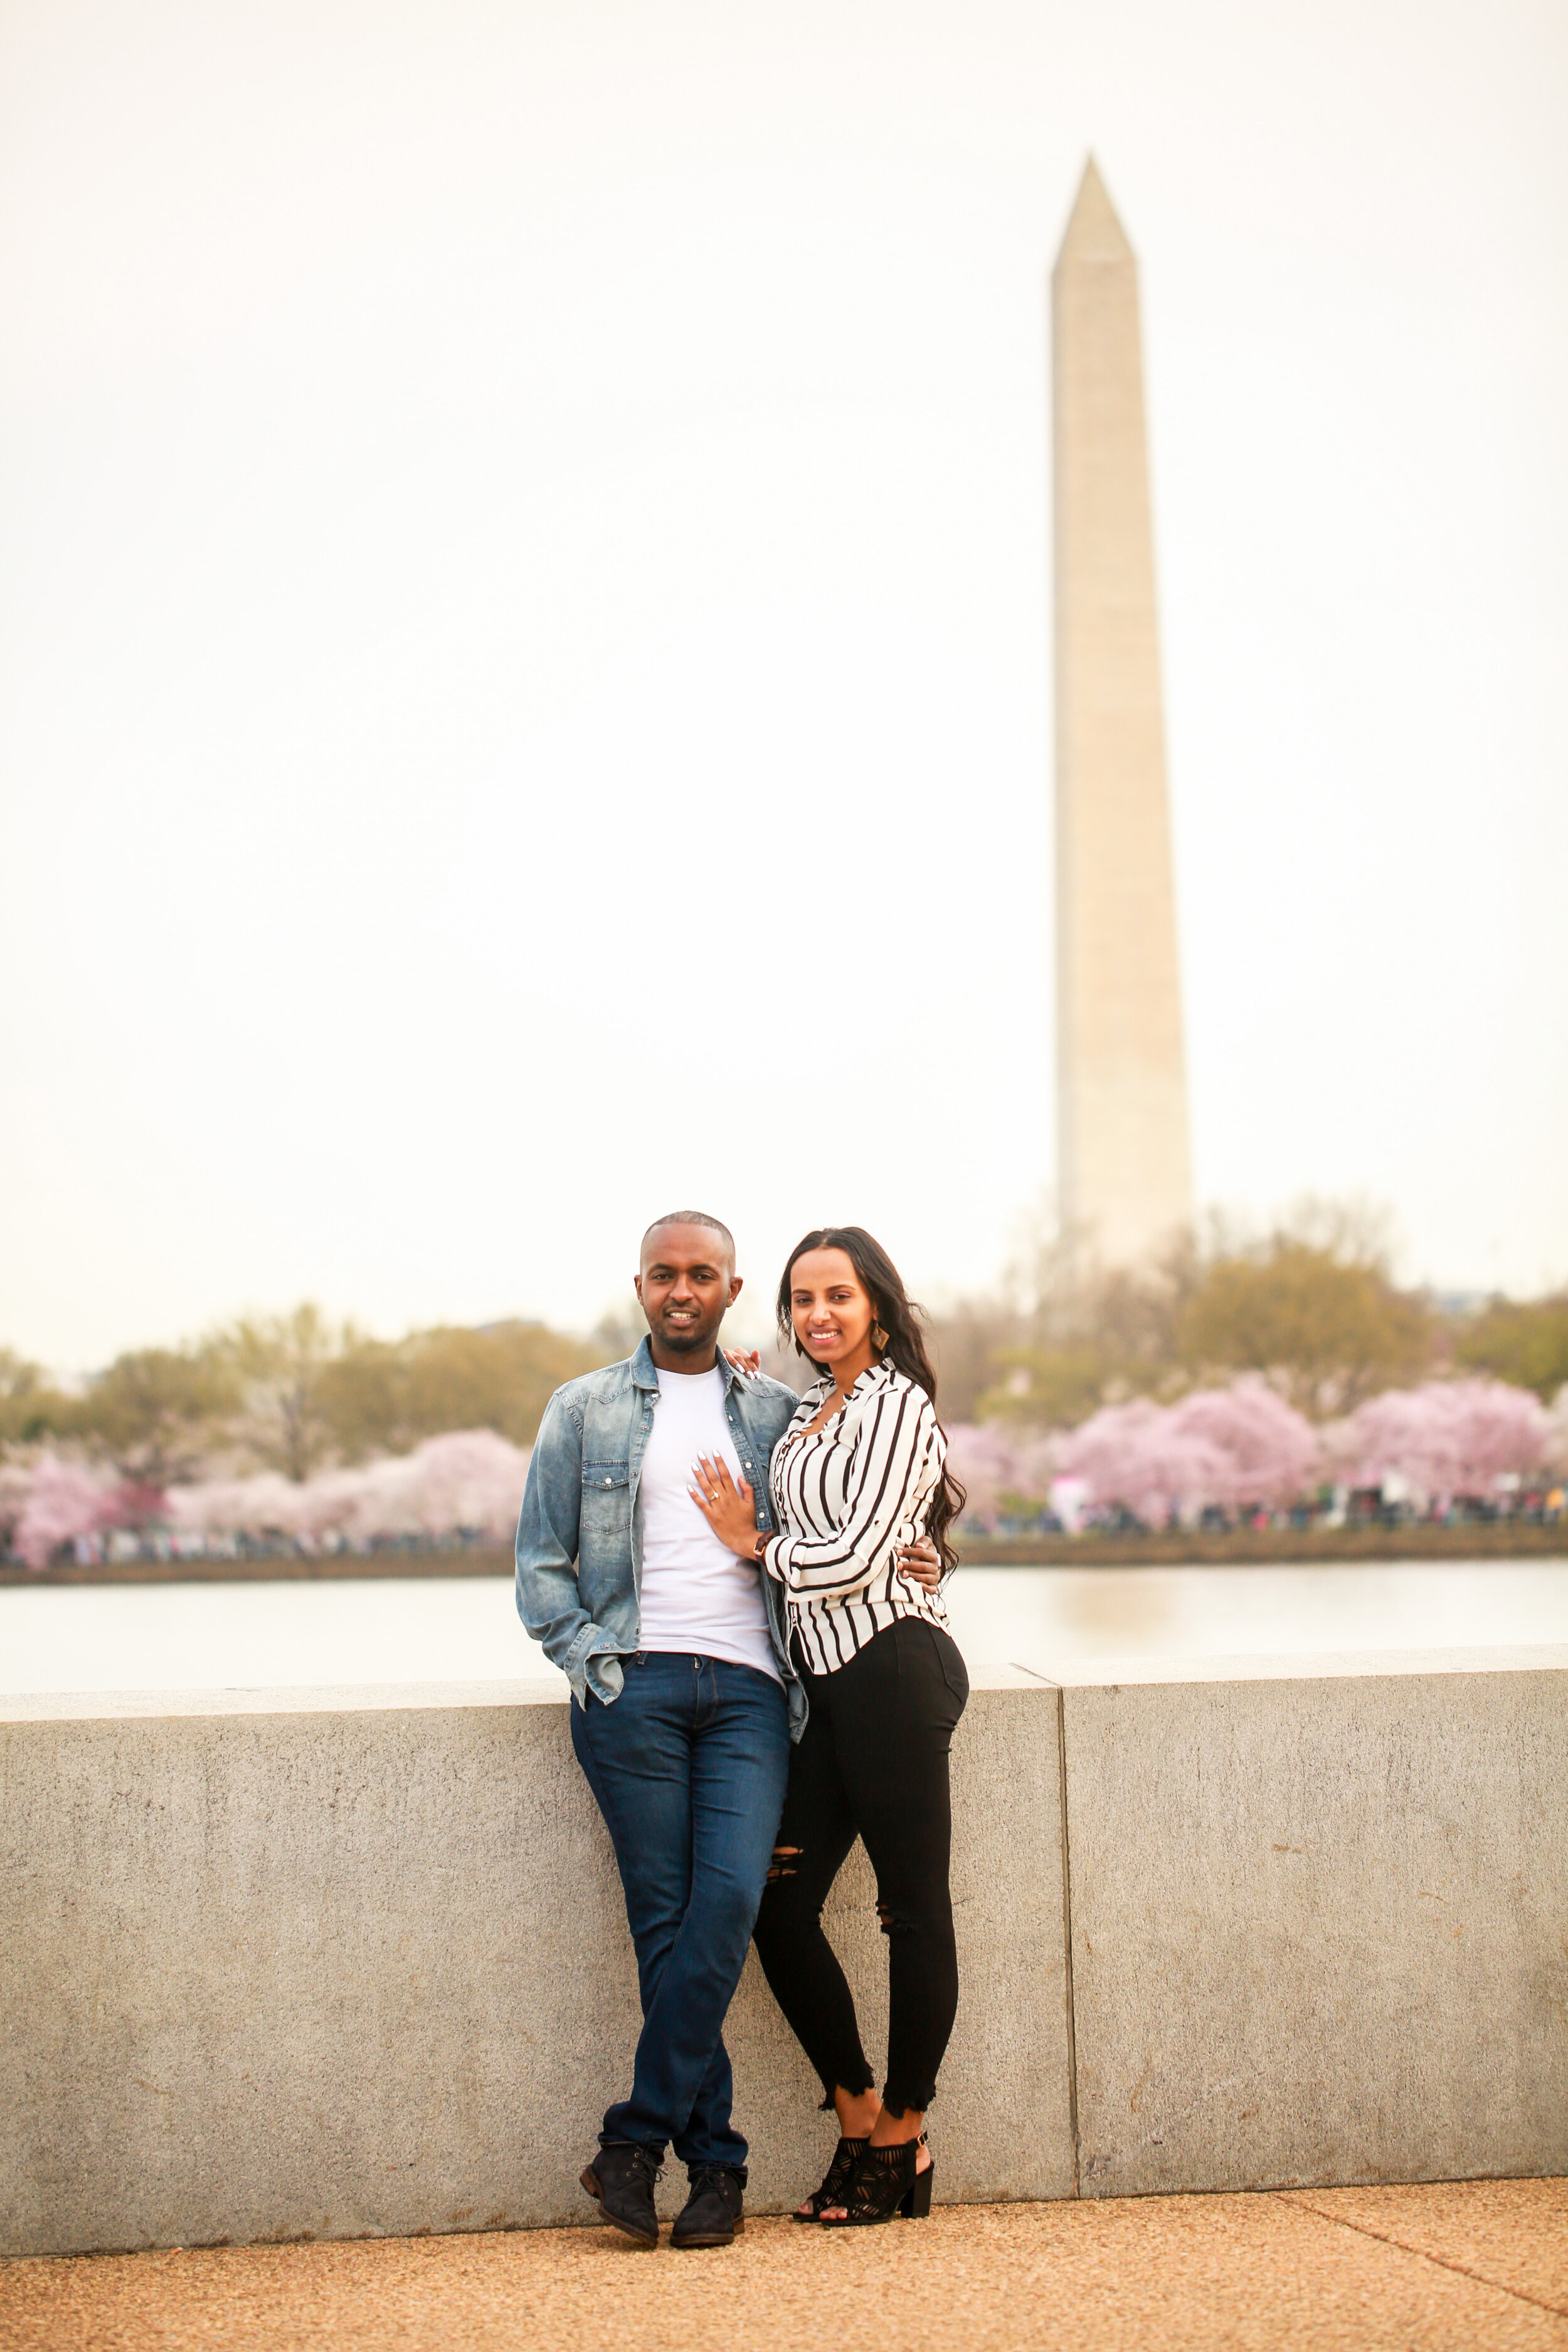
(174, 1637)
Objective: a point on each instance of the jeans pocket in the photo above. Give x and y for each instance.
(950, 1660)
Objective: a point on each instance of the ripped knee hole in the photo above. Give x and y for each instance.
(782, 1863)
(896, 1923)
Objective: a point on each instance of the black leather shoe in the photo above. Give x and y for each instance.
(711, 2215)
(620, 2181)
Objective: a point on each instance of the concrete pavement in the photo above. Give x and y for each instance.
(1481, 2265)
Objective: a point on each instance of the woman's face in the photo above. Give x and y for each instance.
(831, 1310)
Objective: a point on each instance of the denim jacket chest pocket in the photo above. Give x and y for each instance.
(745, 1455)
(607, 1503)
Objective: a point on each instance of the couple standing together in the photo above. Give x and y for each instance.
(743, 1590)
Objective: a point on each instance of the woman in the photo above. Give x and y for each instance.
(859, 1472)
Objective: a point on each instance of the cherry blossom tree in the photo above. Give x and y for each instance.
(1137, 1456)
(999, 1465)
(1232, 1448)
(15, 1479)
(1556, 1458)
(63, 1501)
(265, 1504)
(1272, 1449)
(469, 1479)
(1446, 1438)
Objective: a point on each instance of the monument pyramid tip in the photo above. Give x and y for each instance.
(1093, 232)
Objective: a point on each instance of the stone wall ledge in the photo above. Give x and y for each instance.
(331, 1963)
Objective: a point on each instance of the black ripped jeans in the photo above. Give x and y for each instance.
(873, 1760)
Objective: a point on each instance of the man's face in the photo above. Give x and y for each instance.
(684, 1286)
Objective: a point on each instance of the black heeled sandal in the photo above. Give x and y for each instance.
(835, 2180)
(886, 2182)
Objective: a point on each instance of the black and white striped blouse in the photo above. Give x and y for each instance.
(845, 1498)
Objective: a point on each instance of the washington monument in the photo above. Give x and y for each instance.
(1123, 1177)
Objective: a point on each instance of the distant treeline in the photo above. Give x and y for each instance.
(292, 1392)
(1311, 1306)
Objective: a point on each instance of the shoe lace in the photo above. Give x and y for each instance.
(710, 2176)
(644, 2162)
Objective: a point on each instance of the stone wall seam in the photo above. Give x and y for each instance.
(1067, 1935)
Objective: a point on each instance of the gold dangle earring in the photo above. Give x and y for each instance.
(878, 1337)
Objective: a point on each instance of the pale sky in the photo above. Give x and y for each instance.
(524, 631)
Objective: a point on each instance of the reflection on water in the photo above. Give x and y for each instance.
(1047, 1618)
(1104, 1614)
(464, 1629)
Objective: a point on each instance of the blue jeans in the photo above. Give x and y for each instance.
(688, 1766)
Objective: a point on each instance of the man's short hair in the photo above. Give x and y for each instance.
(693, 1217)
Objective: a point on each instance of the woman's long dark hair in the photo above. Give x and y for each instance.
(901, 1317)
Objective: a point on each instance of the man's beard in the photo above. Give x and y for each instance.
(683, 1342)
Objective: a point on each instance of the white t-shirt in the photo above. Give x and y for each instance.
(697, 1596)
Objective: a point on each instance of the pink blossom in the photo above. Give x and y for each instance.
(1270, 1449)
(991, 1460)
(63, 1501)
(236, 1507)
(1446, 1438)
(15, 1479)
(468, 1478)
(132, 1504)
(1232, 1448)
(1137, 1456)
(1556, 1452)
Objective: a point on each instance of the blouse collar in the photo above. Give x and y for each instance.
(868, 1380)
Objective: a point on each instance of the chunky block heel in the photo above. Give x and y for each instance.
(916, 2206)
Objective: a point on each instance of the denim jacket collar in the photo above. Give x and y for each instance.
(645, 1371)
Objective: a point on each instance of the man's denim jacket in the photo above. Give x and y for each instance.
(579, 1554)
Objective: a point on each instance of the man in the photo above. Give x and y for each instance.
(684, 1701)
